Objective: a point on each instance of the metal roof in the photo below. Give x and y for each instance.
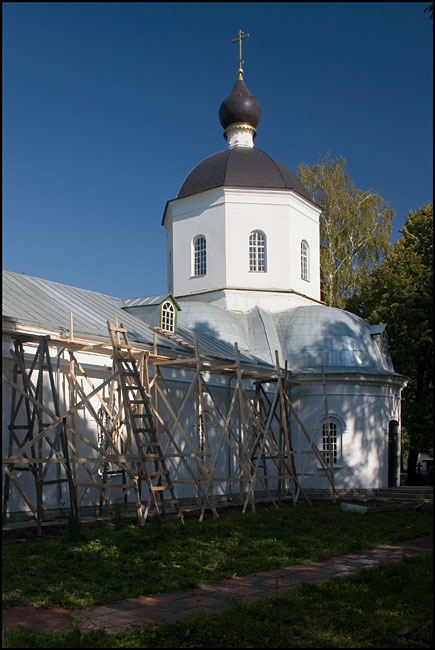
(145, 301)
(309, 337)
(42, 303)
(239, 107)
(241, 167)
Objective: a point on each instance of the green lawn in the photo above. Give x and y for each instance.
(386, 607)
(128, 561)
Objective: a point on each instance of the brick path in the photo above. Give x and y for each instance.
(124, 615)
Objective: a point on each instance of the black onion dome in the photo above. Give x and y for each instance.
(239, 106)
(241, 167)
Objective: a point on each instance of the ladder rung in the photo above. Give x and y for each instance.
(167, 502)
(161, 473)
(159, 488)
(19, 426)
(54, 481)
(130, 373)
(108, 485)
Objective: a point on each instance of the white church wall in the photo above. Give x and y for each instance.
(245, 300)
(362, 412)
(304, 226)
(286, 220)
(56, 498)
(247, 211)
(189, 217)
(226, 217)
(364, 406)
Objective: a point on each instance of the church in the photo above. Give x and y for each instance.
(246, 385)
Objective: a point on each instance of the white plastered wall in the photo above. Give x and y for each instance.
(286, 220)
(226, 217)
(365, 409)
(185, 219)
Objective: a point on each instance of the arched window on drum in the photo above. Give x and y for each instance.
(257, 251)
(305, 261)
(199, 258)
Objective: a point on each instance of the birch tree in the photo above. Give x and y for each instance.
(355, 228)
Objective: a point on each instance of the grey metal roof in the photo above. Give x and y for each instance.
(241, 167)
(146, 300)
(378, 329)
(319, 336)
(309, 337)
(42, 303)
(39, 302)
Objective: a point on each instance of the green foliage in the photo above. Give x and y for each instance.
(399, 293)
(130, 561)
(355, 228)
(386, 607)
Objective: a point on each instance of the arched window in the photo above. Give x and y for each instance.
(168, 316)
(199, 256)
(329, 442)
(305, 260)
(331, 438)
(257, 251)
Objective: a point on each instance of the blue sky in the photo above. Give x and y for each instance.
(108, 106)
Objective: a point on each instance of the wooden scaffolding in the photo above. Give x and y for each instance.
(141, 447)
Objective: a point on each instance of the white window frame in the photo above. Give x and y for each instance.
(168, 316)
(305, 261)
(199, 256)
(337, 446)
(257, 252)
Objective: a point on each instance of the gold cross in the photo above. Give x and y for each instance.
(240, 36)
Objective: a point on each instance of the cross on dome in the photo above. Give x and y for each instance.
(240, 36)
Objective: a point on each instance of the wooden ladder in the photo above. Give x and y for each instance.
(141, 428)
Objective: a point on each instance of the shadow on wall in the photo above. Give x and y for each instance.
(365, 407)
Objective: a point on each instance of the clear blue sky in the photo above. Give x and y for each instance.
(108, 106)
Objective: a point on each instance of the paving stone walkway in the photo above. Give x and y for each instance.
(125, 615)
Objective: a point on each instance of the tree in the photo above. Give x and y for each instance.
(355, 228)
(399, 293)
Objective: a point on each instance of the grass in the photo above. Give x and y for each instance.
(386, 607)
(110, 564)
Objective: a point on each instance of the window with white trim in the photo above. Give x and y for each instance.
(168, 316)
(305, 260)
(199, 256)
(257, 251)
(330, 442)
